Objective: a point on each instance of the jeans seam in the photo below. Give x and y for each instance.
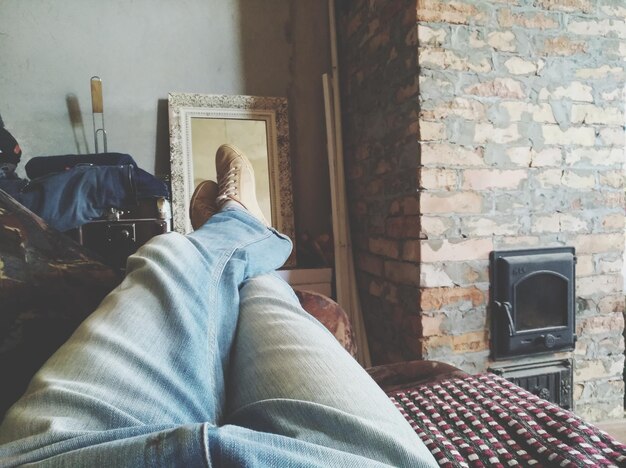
(214, 290)
(223, 260)
(205, 446)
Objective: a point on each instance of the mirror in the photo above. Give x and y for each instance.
(258, 126)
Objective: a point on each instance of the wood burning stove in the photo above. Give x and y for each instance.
(532, 301)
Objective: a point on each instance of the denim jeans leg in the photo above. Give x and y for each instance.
(290, 376)
(141, 381)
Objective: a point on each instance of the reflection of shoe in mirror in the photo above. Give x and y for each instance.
(203, 204)
(235, 178)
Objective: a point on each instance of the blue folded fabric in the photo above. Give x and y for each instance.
(69, 199)
(147, 185)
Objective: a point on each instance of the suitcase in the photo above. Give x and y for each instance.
(119, 235)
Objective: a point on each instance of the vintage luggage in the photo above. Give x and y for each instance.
(119, 235)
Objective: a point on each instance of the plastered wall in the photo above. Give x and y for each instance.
(142, 50)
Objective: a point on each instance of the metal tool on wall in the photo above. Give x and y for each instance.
(97, 110)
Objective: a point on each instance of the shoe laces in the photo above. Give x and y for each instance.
(228, 185)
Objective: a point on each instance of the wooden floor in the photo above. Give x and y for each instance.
(616, 428)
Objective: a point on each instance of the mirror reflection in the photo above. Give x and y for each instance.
(250, 136)
(256, 125)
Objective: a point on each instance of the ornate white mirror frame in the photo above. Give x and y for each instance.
(183, 107)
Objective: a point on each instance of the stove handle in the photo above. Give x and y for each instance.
(507, 308)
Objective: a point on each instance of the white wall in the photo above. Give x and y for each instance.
(143, 49)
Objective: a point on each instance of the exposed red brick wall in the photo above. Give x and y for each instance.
(480, 125)
(379, 73)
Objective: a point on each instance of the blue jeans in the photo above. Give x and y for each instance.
(202, 358)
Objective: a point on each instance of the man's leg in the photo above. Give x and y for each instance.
(139, 379)
(290, 376)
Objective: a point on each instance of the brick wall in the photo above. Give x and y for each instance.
(379, 44)
(508, 132)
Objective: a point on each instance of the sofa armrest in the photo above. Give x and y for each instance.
(408, 374)
(331, 315)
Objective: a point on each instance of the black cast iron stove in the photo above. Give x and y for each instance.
(532, 301)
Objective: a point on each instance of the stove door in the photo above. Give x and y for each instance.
(532, 301)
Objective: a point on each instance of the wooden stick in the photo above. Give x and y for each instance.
(356, 313)
(345, 278)
(341, 272)
(97, 107)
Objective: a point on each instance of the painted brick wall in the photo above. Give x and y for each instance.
(517, 109)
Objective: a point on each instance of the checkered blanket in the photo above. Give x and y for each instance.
(486, 420)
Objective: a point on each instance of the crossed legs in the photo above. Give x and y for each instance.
(201, 358)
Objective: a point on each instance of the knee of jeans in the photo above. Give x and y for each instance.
(270, 284)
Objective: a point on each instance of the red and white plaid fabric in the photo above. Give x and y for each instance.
(486, 420)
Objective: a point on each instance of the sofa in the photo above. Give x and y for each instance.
(49, 285)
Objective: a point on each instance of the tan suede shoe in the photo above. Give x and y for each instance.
(235, 178)
(203, 203)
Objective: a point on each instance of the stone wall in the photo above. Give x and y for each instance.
(520, 136)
